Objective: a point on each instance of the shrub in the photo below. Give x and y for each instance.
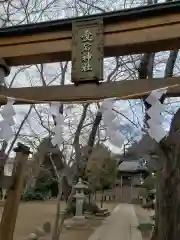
(40, 192)
(143, 227)
(149, 205)
(31, 195)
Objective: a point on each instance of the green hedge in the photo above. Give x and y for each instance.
(32, 195)
(40, 192)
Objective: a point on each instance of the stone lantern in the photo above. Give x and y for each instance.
(80, 197)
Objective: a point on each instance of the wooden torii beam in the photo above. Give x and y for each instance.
(144, 29)
(91, 92)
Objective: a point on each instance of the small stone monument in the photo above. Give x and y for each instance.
(47, 227)
(80, 197)
(40, 233)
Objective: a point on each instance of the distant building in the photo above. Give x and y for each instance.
(130, 176)
(8, 167)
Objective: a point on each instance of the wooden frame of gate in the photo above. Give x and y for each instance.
(145, 29)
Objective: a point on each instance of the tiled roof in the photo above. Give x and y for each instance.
(131, 166)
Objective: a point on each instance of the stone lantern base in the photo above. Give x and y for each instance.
(76, 222)
(79, 218)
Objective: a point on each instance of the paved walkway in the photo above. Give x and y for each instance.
(120, 225)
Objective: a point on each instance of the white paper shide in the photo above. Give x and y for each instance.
(7, 114)
(156, 130)
(111, 123)
(58, 129)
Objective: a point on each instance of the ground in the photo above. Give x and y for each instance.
(34, 214)
(144, 216)
(121, 225)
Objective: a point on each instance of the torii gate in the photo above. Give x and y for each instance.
(145, 29)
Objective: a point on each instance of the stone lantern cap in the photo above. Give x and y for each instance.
(80, 185)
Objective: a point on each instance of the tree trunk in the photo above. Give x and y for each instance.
(162, 163)
(168, 188)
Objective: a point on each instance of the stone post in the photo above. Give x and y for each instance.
(10, 211)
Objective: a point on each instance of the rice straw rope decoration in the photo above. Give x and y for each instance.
(125, 97)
